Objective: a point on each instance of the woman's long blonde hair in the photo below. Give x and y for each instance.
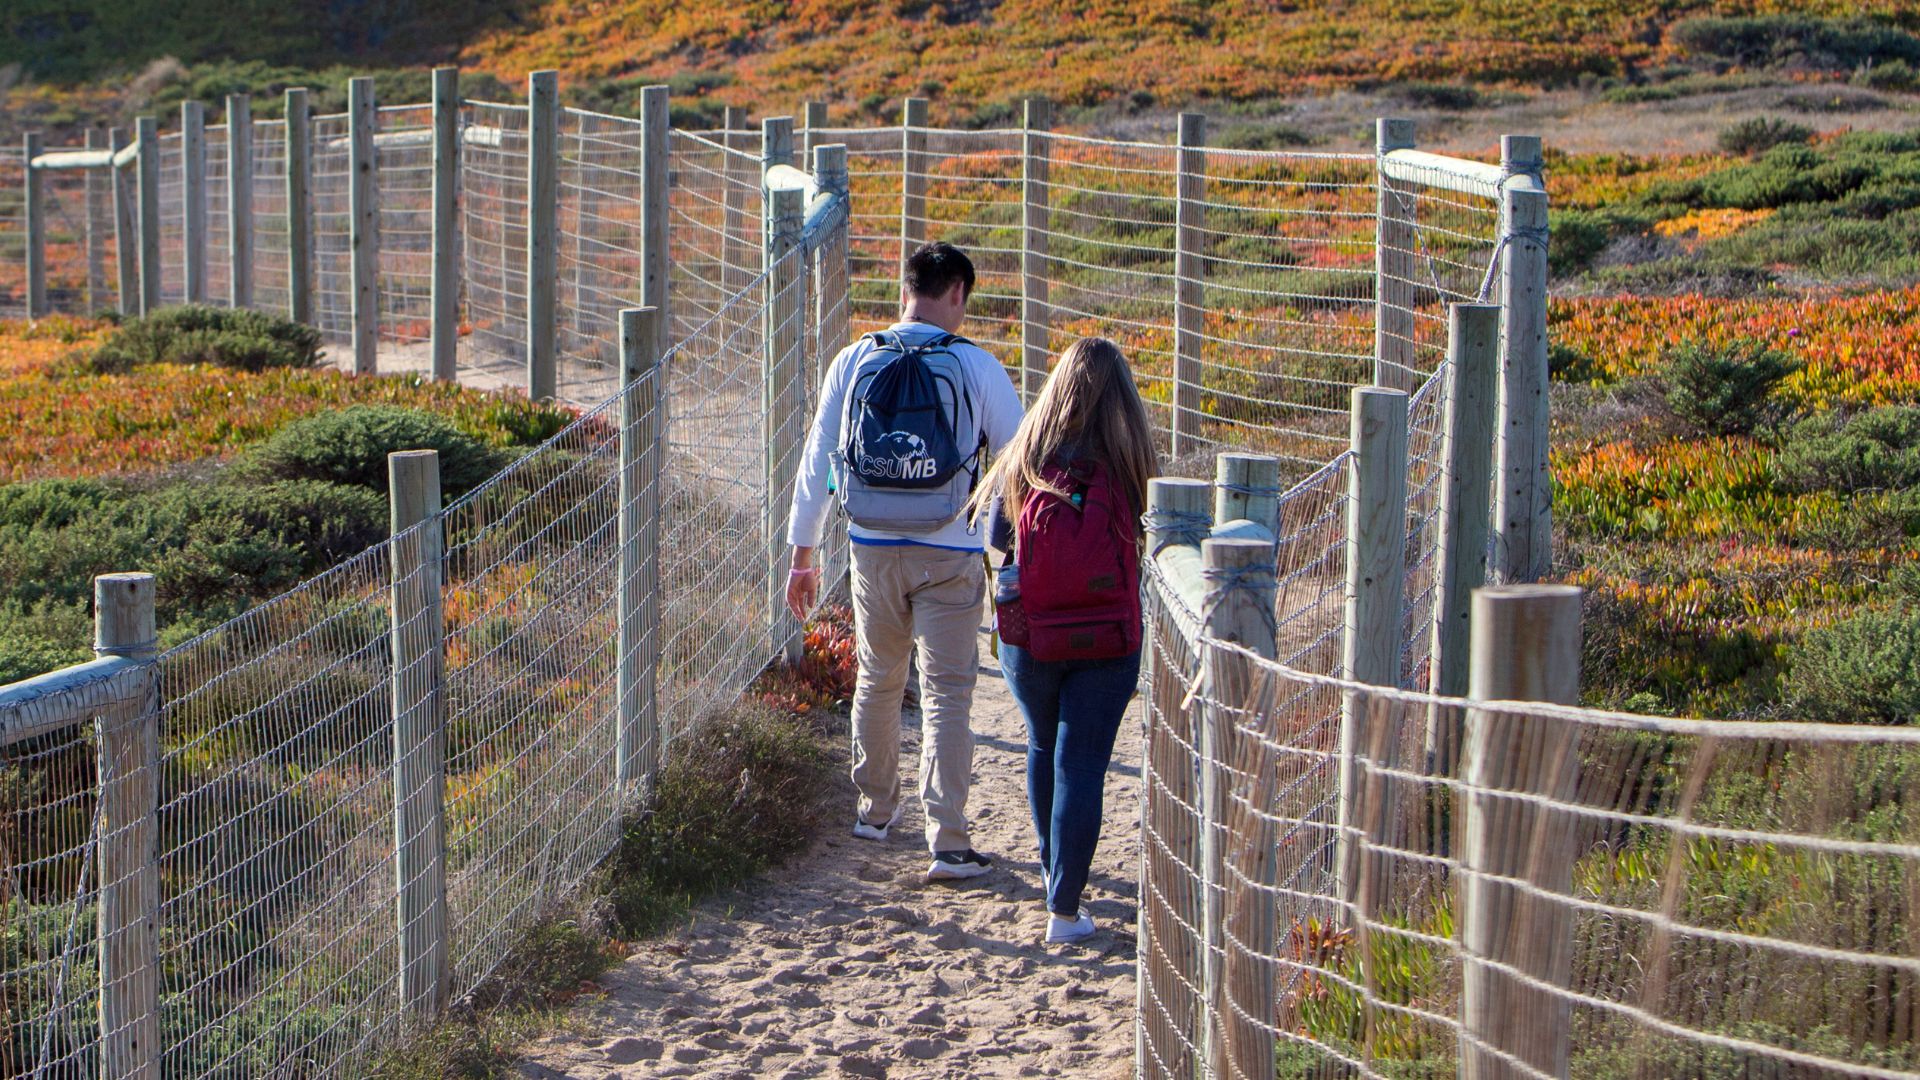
(1089, 403)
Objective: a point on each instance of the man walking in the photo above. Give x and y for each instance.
(906, 420)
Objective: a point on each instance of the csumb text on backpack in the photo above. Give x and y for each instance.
(913, 443)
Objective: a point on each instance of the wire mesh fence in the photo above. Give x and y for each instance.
(219, 281)
(271, 253)
(172, 189)
(403, 159)
(332, 228)
(493, 180)
(13, 231)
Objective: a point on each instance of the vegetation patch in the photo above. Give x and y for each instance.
(199, 334)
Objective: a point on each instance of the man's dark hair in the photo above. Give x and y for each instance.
(933, 269)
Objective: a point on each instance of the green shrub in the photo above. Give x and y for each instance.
(1878, 449)
(1452, 97)
(1753, 41)
(351, 447)
(1894, 75)
(42, 637)
(1262, 135)
(1861, 670)
(197, 334)
(1579, 236)
(1725, 391)
(1757, 133)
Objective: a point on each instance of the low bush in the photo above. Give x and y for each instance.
(1864, 669)
(42, 637)
(1894, 75)
(1878, 449)
(1451, 97)
(1757, 133)
(1726, 390)
(1801, 40)
(198, 334)
(351, 447)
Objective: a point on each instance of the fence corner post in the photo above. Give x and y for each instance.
(444, 290)
(656, 149)
(1238, 607)
(147, 160)
(1523, 545)
(36, 215)
(129, 869)
(193, 195)
(781, 398)
(1376, 587)
(543, 212)
(832, 311)
(239, 201)
(643, 426)
(1473, 366)
(126, 236)
(1036, 155)
(913, 176)
(1190, 283)
(299, 180)
(98, 191)
(813, 117)
(1393, 264)
(363, 199)
(419, 730)
(1526, 648)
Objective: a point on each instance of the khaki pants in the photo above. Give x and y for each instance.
(906, 596)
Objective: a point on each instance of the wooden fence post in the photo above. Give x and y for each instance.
(239, 201)
(99, 188)
(1238, 607)
(832, 315)
(129, 869)
(656, 279)
(812, 119)
(1393, 265)
(643, 424)
(1376, 589)
(913, 177)
(1466, 491)
(1189, 310)
(1523, 545)
(147, 138)
(444, 329)
(36, 214)
(1247, 486)
(543, 208)
(736, 270)
(1526, 647)
(1036, 152)
(126, 235)
(299, 207)
(363, 198)
(781, 397)
(193, 196)
(419, 730)
(776, 144)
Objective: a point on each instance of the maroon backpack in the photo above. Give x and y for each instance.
(1079, 567)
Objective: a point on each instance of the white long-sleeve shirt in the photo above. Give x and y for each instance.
(996, 402)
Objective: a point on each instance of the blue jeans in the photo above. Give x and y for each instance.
(1073, 710)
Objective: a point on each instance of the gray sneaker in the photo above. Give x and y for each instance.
(954, 865)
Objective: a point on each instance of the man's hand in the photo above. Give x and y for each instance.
(803, 583)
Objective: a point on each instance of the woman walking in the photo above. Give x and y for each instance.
(1065, 498)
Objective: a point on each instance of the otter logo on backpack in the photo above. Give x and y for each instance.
(913, 443)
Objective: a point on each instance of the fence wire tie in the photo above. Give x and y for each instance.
(1537, 235)
(1251, 491)
(1181, 527)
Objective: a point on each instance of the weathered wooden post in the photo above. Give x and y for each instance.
(656, 278)
(129, 778)
(643, 425)
(1466, 491)
(147, 139)
(776, 144)
(832, 315)
(543, 209)
(781, 397)
(239, 201)
(419, 730)
(299, 207)
(1376, 589)
(1189, 301)
(913, 176)
(99, 189)
(1036, 153)
(812, 119)
(1526, 647)
(193, 195)
(1393, 264)
(444, 330)
(1247, 486)
(1238, 607)
(126, 234)
(1523, 544)
(735, 253)
(36, 214)
(363, 202)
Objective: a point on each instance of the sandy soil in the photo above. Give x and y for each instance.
(844, 963)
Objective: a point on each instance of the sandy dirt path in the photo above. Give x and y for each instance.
(843, 963)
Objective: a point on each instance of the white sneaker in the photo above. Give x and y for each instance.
(1061, 930)
(876, 832)
(954, 865)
